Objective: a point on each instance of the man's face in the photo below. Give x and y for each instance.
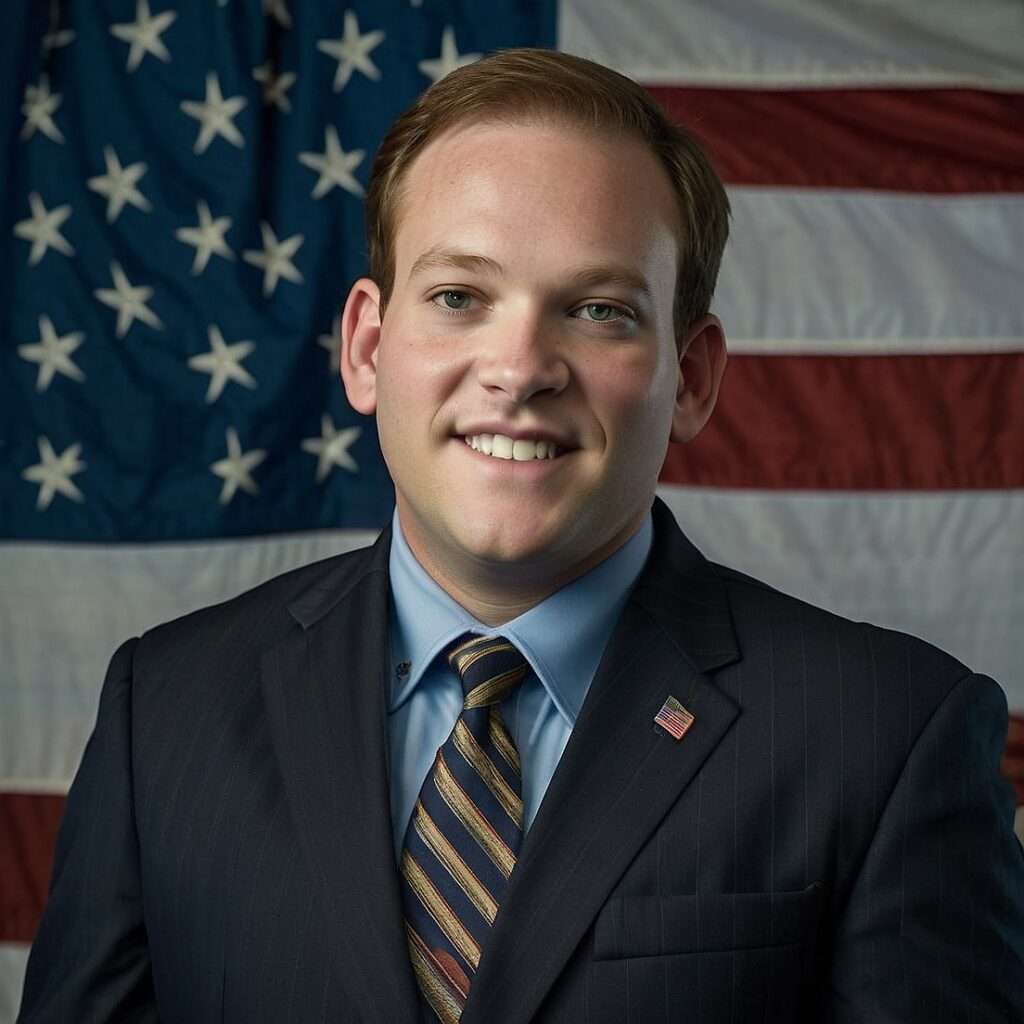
(535, 269)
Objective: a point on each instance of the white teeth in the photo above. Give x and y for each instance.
(501, 447)
(524, 451)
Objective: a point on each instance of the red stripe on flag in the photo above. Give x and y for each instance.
(904, 140)
(931, 422)
(28, 833)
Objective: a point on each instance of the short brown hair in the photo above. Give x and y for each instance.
(527, 85)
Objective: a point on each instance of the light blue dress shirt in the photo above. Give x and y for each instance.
(562, 638)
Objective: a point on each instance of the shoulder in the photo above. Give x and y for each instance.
(820, 647)
(855, 701)
(242, 627)
(773, 635)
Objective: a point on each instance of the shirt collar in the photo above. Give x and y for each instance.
(562, 638)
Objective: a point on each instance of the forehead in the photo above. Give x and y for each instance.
(544, 190)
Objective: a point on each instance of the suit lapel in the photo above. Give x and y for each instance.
(618, 776)
(325, 692)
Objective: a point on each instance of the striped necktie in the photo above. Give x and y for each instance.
(464, 834)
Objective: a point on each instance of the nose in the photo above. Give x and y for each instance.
(522, 359)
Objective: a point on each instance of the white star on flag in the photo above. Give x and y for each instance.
(39, 107)
(449, 60)
(275, 258)
(331, 448)
(334, 166)
(129, 301)
(275, 87)
(214, 115)
(56, 37)
(42, 229)
(332, 342)
(207, 237)
(352, 52)
(223, 363)
(53, 354)
(235, 470)
(54, 472)
(118, 185)
(278, 10)
(143, 34)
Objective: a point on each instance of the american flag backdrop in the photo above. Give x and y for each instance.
(182, 207)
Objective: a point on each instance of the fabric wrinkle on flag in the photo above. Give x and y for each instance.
(184, 215)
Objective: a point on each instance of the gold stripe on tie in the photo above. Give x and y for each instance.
(437, 907)
(457, 652)
(444, 993)
(475, 648)
(476, 824)
(476, 892)
(494, 689)
(468, 747)
(503, 742)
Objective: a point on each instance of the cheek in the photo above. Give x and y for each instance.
(632, 393)
(418, 353)
(415, 376)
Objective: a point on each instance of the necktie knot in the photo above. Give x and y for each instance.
(489, 667)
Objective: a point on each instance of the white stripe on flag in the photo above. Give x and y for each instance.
(941, 566)
(871, 346)
(72, 604)
(13, 958)
(778, 43)
(866, 272)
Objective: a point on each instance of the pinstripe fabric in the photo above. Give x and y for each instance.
(461, 843)
(831, 842)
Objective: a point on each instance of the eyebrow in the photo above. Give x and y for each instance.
(586, 276)
(599, 273)
(443, 259)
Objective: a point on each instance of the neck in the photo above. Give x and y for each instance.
(497, 592)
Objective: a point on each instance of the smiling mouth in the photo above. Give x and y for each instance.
(499, 446)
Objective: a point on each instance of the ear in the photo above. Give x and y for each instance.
(702, 359)
(360, 338)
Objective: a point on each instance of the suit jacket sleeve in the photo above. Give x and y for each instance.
(89, 962)
(934, 926)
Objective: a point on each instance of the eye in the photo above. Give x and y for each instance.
(603, 313)
(452, 301)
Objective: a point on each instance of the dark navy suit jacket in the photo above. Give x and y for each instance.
(830, 842)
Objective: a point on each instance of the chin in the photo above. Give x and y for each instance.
(508, 543)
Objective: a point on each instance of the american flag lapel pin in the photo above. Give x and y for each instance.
(674, 718)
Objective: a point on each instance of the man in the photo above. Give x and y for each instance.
(531, 756)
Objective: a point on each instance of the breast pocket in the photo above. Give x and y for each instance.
(708, 957)
(706, 922)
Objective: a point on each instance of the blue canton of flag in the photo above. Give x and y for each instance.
(184, 216)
